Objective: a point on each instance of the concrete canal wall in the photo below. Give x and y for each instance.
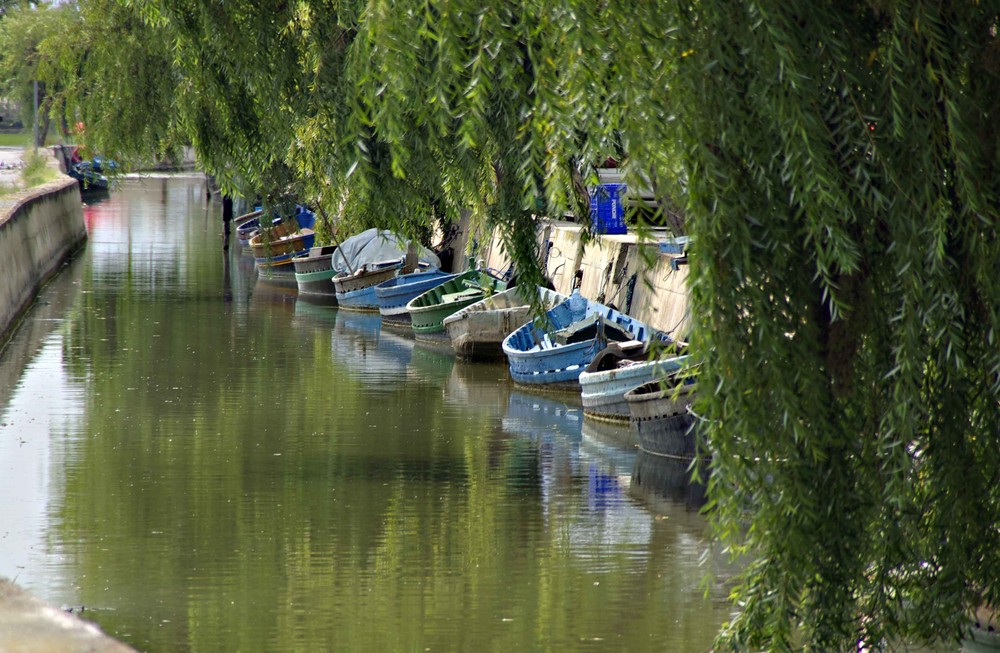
(613, 270)
(39, 229)
(28, 625)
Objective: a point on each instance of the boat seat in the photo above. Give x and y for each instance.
(460, 295)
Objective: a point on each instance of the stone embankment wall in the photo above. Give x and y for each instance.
(613, 270)
(39, 229)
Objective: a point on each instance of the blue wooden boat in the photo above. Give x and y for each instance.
(393, 295)
(356, 291)
(90, 177)
(551, 353)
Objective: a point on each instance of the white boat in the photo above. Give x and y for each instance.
(606, 380)
(478, 330)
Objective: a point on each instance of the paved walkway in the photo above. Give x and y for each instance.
(27, 625)
(10, 160)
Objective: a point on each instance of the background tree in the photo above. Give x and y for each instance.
(838, 168)
(26, 33)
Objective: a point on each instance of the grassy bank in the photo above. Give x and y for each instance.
(15, 138)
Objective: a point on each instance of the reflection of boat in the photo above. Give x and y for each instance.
(369, 353)
(607, 433)
(312, 314)
(660, 415)
(428, 310)
(614, 372)
(393, 295)
(478, 330)
(553, 352)
(314, 274)
(542, 418)
(656, 478)
(427, 365)
(478, 386)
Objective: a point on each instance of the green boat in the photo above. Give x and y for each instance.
(428, 311)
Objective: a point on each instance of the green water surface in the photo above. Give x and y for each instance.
(203, 462)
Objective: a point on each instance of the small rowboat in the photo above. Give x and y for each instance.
(314, 273)
(478, 330)
(393, 295)
(611, 374)
(280, 250)
(428, 310)
(551, 353)
(356, 291)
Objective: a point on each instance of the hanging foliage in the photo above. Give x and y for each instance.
(837, 167)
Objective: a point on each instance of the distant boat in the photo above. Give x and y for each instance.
(552, 351)
(659, 413)
(241, 220)
(478, 330)
(90, 177)
(314, 274)
(428, 311)
(248, 225)
(274, 248)
(393, 295)
(617, 369)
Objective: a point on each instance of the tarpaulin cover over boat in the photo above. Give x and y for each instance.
(374, 246)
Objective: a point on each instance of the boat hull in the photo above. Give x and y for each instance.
(356, 292)
(671, 437)
(394, 294)
(314, 273)
(535, 360)
(477, 331)
(603, 393)
(429, 310)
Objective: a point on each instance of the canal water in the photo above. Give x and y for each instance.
(199, 461)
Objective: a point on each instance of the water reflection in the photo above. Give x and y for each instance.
(229, 468)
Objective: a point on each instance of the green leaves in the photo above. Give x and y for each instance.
(836, 165)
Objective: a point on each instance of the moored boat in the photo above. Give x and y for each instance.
(241, 220)
(429, 310)
(248, 224)
(90, 177)
(393, 295)
(659, 413)
(314, 274)
(552, 351)
(367, 259)
(478, 330)
(281, 249)
(356, 290)
(609, 376)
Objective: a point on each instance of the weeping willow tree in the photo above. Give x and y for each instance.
(837, 164)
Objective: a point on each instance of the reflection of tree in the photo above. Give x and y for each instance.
(391, 514)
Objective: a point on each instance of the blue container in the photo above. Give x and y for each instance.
(607, 210)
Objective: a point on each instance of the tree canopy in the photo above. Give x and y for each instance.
(837, 164)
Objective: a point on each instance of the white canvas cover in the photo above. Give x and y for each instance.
(374, 246)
